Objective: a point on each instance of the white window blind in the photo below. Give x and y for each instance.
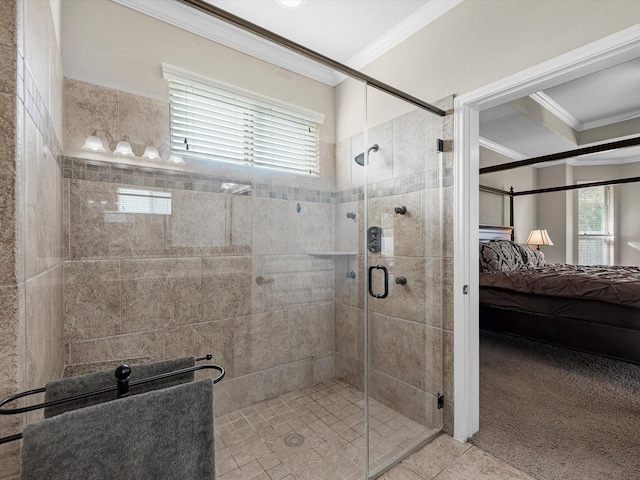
(596, 226)
(133, 200)
(217, 122)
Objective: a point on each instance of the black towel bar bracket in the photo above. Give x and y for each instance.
(122, 374)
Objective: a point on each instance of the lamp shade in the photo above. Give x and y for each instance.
(177, 159)
(124, 148)
(539, 237)
(93, 144)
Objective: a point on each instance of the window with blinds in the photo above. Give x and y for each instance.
(217, 122)
(596, 226)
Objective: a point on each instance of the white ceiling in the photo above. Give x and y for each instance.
(604, 98)
(342, 30)
(601, 98)
(507, 126)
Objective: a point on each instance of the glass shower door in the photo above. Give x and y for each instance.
(404, 198)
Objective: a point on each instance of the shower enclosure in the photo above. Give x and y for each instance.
(389, 323)
(325, 298)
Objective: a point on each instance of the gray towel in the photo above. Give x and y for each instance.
(68, 387)
(161, 435)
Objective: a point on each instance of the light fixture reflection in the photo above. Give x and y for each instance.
(151, 153)
(96, 142)
(124, 148)
(235, 188)
(178, 160)
(93, 144)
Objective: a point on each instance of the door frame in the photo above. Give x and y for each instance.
(609, 51)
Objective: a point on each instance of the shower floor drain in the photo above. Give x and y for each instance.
(293, 440)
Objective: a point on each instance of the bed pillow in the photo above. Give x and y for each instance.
(500, 256)
(530, 258)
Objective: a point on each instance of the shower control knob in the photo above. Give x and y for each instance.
(401, 280)
(401, 210)
(351, 274)
(351, 215)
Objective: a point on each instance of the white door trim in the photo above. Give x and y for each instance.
(604, 53)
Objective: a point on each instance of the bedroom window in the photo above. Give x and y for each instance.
(596, 226)
(213, 121)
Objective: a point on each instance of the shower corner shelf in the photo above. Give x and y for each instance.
(332, 254)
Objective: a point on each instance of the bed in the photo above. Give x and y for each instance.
(589, 308)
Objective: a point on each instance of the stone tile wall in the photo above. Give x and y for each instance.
(31, 348)
(224, 274)
(215, 276)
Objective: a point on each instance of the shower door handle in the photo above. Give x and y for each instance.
(386, 281)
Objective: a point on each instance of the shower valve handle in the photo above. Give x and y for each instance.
(401, 210)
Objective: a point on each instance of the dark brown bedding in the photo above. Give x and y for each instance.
(611, 284)
(582, 309)
(595, 309)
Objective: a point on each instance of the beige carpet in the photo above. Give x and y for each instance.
(558, 414)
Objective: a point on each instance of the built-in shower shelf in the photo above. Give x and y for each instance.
(332, 254)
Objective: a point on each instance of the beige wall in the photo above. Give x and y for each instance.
(628, 218)
(494, 209)
(31, 350)
(482, 41)
(552, 212)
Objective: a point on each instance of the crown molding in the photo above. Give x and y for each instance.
(502, 150)
(401, 31)
(587, 162)
(548, 103)
(574, 161)
(610, 120)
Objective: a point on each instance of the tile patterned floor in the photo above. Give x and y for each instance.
(330, 416)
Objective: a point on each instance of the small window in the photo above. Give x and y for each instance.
(212, 121)
(133, 200)
(596, 226)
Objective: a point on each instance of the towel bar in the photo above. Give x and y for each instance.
(122, 389)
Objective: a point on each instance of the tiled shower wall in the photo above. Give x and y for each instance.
(31, 347)
(254, 279)
(223, 274)
(411, 331)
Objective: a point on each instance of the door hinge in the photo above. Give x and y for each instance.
(465, 290)
(440, 398)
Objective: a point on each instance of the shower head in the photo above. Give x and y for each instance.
(360, 158)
